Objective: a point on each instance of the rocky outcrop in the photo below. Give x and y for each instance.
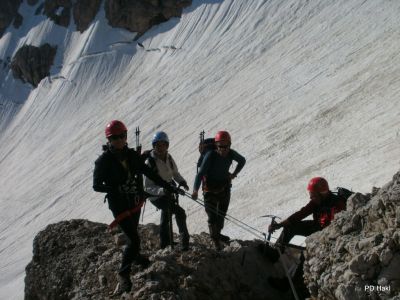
(358, 255)
(59, 11)
(31, 64)
(9, 13)
(78, 259)
(139, 15)
(85, 12)
(134, 15)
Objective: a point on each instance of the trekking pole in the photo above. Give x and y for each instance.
(138, 145)
(202, 133)
(169, 212)
(139, 178)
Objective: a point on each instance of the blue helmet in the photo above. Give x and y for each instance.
(160, 136)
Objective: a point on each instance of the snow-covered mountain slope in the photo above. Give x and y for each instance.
(305, 88)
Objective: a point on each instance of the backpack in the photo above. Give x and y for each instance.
(208, 145)
(343, 193)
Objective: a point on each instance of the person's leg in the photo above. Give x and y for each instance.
(223, 204)
(130, 253)
(162, 204)
(303, 228)
(180, 217)
(210, 202)
(129, 228)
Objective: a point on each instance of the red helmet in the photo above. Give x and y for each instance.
(115, 127)
(222, 136)
(318, 184)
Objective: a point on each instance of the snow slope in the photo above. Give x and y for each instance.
(306, 88)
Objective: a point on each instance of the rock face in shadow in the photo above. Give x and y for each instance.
(59, 11)
(358, 255)
(134, 15)
(84, 12)
(9, 13)
(140, 15)
(78, 259)
(31, 64)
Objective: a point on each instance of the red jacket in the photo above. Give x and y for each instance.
(323, 213)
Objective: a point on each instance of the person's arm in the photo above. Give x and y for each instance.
(148, 172)
(99, 176)
(149, 185)
(302, 213)
(241, 161)
(297, 216)
(177, 176)
(205, 165)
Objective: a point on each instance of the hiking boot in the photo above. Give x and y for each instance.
(185, 243)
(124, 284)
(280, 284)
(224, 238)
(217, 245)
(269, 252)
(142, 261)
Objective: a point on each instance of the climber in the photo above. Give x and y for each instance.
(215, 179)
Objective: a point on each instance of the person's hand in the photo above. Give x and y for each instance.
(195, 195)
(184, 185)
(180, 192)
(274, 226)
(177, 190)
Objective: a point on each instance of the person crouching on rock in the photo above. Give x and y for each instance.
(323, 205)
(118, 173)
(216, 180)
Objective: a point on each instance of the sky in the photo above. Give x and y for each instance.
(305, 88)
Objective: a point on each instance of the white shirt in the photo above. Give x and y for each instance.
(165, 171)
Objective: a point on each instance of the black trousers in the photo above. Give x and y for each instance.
(129, 227)
(170, 206)
(216, 205)
(303, 228)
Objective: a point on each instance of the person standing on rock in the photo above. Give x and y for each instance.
(118, 173)
(162, 162)
(216, 180)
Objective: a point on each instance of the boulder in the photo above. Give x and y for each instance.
(31, 64)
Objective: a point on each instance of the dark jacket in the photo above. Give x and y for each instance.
(109, 176)
(214, 169)
(323, 213)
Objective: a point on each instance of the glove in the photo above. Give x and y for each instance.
(179, 191)
(274, 226)
(184, 185)
(175, 190)
(194, 195)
